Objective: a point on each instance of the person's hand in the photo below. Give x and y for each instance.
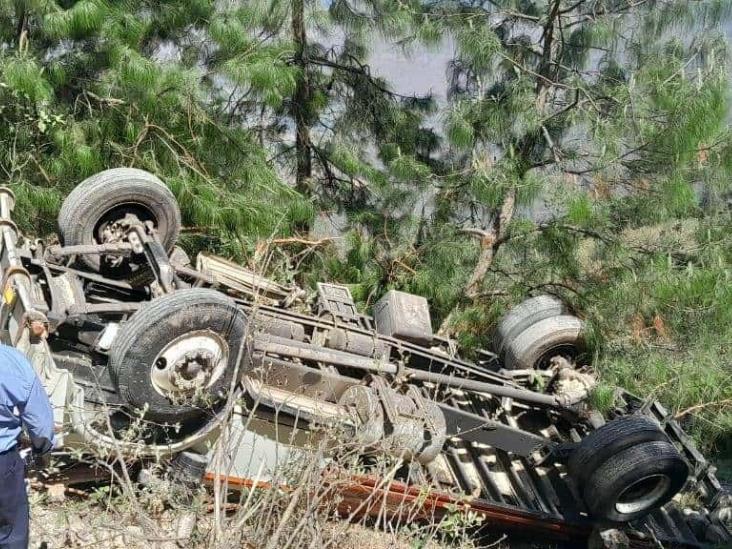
(34, 461)
(26, 454)
(39, 329)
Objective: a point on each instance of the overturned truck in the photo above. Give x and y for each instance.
(143, 352)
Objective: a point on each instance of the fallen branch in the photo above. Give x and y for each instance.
(303, 241)
(697, 407)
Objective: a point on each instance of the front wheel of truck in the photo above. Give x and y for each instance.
(100, 209)
(174, 359)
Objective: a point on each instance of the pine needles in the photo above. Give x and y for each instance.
(589, 141)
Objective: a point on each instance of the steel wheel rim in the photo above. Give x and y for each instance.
(567, 351)
(642, 494)
(174, 371)
(118, 212)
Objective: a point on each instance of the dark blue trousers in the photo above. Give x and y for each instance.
(13, 502)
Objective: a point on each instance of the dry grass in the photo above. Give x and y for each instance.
(82, 524)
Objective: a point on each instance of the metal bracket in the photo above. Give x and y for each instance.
(158, 259)
(337, 300)
(485, 431)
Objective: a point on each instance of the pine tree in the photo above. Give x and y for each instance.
(89, 84)
(589, 152)
(584, 143)
(336, 129)
(574, 102)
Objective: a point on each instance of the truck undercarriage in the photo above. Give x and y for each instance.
(143, 352)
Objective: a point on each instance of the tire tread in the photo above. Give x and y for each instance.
(524, 315)
(155, 313)
(533, 342)
(602, 488)
(610, 439)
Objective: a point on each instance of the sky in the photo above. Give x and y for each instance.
(422, 71)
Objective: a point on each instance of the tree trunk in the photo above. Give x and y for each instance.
(492, 238)
(490, 241)
(22, 29)
(301, 100)
(485, 259)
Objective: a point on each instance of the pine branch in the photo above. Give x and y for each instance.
(601, 167)
(363, 71)
(535, 74)
(596, 14)
(501, 10)
(713, 404)
(573, 7)
(301, 241)
(328, 166)
(563, 110)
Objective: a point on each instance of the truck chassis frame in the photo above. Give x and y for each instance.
(493, 439)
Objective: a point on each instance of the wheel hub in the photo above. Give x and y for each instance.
(118, 230)
(189, 363)
(195, 363)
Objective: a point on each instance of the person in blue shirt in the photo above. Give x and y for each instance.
(23, 403)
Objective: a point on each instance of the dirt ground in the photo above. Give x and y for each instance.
(80, 523)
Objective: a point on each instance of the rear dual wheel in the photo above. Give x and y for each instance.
(536, 331)
(626, 469)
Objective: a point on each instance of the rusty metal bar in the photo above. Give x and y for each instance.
(523, 395)
(90, 249)
(97, 308)
(307, 351)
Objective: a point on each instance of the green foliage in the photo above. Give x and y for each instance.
(590, 143)
(603, 397)
(477, 41)
(25, 76)
(600, 140)
(579, 210)
(86, 89)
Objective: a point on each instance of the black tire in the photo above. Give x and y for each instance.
(610, 439)
(109, 193)
(149, 330)
(522, 316)
(635, 482)
(557, 335)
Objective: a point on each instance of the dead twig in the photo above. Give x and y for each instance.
(303, 241)
(713, 404)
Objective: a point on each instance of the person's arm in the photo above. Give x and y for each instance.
(37, 416)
